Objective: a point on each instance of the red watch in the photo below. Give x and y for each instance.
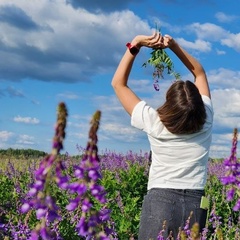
(134, 50)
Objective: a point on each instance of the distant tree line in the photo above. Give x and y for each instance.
(19, 153)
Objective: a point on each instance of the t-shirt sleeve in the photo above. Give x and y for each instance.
(145, 118)
(209, 108)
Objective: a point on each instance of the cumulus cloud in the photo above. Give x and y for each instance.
(232, 41)
(25, 140)
(120, 131)
(49, 45)
(224, 78)
(96, 5)
(220, 52)
(27, 120)
(221, 146)
(224, 18)
(5, 135)
(209, 31)
(199, 45)
(226, 109)
(216, 33)
(16, 17)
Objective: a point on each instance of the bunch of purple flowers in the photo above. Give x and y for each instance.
(39, 196)
(92, 223)
(232, 176)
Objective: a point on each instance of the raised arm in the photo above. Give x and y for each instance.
(191, 63)
(120, 79)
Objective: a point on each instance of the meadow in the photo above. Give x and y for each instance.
(98, 195)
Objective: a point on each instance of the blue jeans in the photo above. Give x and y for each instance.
(172, 205)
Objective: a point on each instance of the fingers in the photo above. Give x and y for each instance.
(156, 40)
(155, 36)
(168, 36)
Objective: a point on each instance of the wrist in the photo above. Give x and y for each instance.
(173, 45)
(133, 48)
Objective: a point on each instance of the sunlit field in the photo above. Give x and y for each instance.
(98, 195)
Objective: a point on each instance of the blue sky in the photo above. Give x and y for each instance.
(66, 50)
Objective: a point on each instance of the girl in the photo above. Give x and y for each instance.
(179, 133)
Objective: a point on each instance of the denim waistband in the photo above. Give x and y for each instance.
(190, 190)
(198, 191)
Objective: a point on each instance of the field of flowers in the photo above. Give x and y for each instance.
(98, 195)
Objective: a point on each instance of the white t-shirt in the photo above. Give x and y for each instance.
(178, 161)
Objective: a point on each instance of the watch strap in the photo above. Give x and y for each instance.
(134, 50)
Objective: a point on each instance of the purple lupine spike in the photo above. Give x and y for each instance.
(61, 180)
(40, 197)
(160, 234)
(232, 175)
(92, 222)
(187, 225)
(214, 219)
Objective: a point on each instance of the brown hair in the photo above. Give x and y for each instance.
(184, 111)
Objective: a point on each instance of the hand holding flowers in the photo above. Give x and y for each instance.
(159, 59)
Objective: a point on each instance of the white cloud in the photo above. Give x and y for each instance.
(226, 104)
(25, 140)
(216, 33)
(5, 135)
(220, 52)
(120, 131)
(232, 41)
(60, 41)
(68, 95)
(141, 85)
(199, 45)
(224, 18)
(28, 120)
(222, 144)
(207, 31)
(224, 78)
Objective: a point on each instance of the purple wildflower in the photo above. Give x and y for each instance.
(186, 228)
(237, 206)
(39, 193)
(214, 219)
(87, 186)
(73, 204)
(79, 172)
(82, 227)
(25, 207)
(41, 212)
(86, 205)
(156, 86)
(232, 176)
(34, 235)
